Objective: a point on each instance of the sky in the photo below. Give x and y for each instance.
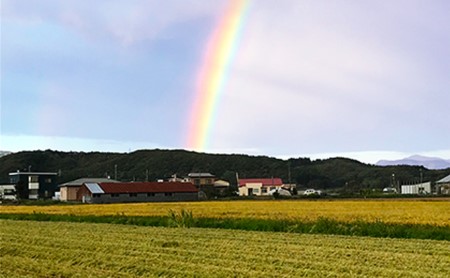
(363, 79)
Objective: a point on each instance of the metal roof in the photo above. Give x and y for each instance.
(79, 182)
(264, 182)
(200, 175)
(219, 183)
(33, 173)
(444, 180)
(148, 187)
(94, 188)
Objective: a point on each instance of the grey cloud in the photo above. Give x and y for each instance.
(338, 76)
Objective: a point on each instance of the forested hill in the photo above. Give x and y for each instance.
(157, 164)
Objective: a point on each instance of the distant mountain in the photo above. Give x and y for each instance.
(434, 163)
(3, 153)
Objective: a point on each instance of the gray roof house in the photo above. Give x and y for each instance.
(443, 185)
(69, 190)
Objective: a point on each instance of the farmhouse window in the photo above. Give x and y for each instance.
(168, 194)
(133, 194)
(150, 194)
(115, 195)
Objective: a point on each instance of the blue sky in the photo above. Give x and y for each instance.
(364, 79)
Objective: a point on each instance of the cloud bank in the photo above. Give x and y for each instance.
(309, 77)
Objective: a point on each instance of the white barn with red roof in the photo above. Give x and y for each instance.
(122, 192)
(259, 187)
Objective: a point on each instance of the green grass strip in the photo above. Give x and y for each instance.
(320, 226)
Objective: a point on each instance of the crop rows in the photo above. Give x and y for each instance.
(388, 211)
(56, 249)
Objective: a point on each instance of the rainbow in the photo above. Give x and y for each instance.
(213, 72)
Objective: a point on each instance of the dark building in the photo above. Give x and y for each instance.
(34, 185)
(107, 192)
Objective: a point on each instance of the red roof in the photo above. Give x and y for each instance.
(148, 187)
(265, 182)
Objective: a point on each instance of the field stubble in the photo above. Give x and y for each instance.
(56, 249)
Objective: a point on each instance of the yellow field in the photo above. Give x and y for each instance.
(58, 249)
(389, 211)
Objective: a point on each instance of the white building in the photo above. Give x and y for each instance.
(420, 188)
(259, 187)
(443, 186)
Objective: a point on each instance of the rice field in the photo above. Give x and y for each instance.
(389, 211)
(57, 249)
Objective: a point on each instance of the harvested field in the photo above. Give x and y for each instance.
(49, 249)
(387, 211)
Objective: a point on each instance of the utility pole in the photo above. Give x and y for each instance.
(146, 175)
(115, 171)
(421, 176)
(289, 172)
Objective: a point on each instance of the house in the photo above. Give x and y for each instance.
(8, 192)
(201, 179)
(68, 191)
(205, 184)
(122, 192)
(34, 185)
(443, 185)
(420, 188)
(259, 187)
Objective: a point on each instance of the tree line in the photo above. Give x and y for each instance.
(142, 165)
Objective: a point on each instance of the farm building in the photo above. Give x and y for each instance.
(259, 187)
(443, 185)
(34, 185)
(121, 192)
(420, 188)
(68, 191)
